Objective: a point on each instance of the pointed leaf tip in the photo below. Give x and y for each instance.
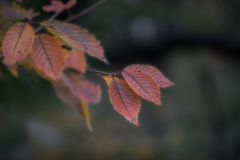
(124, 100)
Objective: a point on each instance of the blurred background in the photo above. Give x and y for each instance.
(195, 43)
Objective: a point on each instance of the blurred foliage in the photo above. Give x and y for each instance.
(199, 118)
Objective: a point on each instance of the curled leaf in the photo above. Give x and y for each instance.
(153, 72)
(17, 43)
(76, 37)
(142, 84)
(48, 55)
(124, 100)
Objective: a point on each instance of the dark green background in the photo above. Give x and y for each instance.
(195, 43)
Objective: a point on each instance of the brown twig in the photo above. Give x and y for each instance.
(86, 11)
(51, 18)
(76, 16)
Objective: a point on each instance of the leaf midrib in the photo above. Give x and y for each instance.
(45, 52)
(139, 83)
(17, 43)
(122, 99)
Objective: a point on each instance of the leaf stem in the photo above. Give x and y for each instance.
(117, 73)
(97, 72)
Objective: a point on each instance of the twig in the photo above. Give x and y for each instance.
(51, 18)
(96, 71)
(86, 11)
(110, 74)
(73, 17)
(117, 73)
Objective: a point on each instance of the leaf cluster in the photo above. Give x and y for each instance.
(58, 55)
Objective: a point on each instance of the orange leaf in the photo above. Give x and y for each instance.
(124, 100)
(153, 72)
(55, 6)
(76, 60)
(17, 43)
(82, 88)
(76, 37)
(142, 84)
(48, 55)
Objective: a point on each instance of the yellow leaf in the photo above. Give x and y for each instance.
(86, 114)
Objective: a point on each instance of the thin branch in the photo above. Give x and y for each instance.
(96, 71)
(51, 18)
(86, 11)
(76, 16)
(117, 73)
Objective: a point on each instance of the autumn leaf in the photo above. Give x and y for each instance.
(108, 79)
(48, 55)
(16, 12)
(58, 6)
(76, 60)
(17, 43)
(76, 37)
(124, 99)
(55, 6)
(82, 88)
(71, 3)
(66, 53)
(153, 72)
(142, 84)
(66, 95)
(85, 112)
